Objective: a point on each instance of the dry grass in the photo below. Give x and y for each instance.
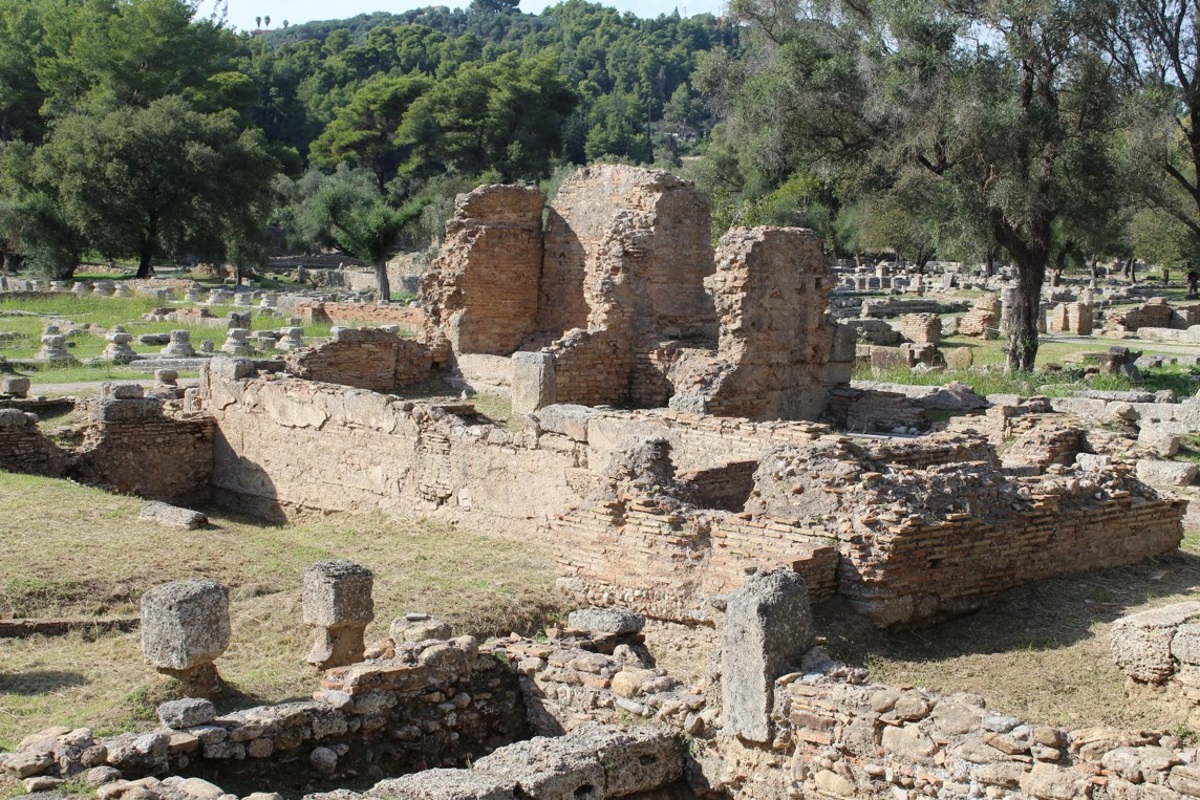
(73, 551)
(1040, 652)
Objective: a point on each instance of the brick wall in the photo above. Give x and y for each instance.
(921, 328)
(359, 313)
(483, 289)
(129, 446)
(367, 359)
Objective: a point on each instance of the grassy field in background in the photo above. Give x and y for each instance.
(75, 551)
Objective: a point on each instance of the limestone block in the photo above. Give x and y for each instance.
(338, 592)
(172, 516)
(533, 381)
(419, 627)
(1166, 473)
(607, 620)
(187, 712)
(768, 626)
(14, 386)
(1163, 442)
(589, 763)
(568, 419)
(1185, 646)
(446, 784)
(337, 599)
(122, 391)
(1141, 643)
(185, 623)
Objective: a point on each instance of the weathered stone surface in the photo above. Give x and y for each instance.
(606, 620)
(1161, 441)
(186, 713)
(534, 385)
(172, 516)
(185, 623)
(768, 626)
(447, 784)
(337, 599)
(1141, 643)
(1166, 473)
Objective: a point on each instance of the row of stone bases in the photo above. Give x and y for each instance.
(774, 718)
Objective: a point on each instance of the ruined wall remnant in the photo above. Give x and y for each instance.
(366, 358)
(771, 290)
(883, 524)
(482, 293)
(1070, 318)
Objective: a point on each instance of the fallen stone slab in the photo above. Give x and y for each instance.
(172, 516)
(1141, 643)
(1166, 473)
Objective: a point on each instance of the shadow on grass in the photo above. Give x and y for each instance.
(39, 681)
(1046, 615)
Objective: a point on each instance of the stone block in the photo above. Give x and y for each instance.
(607, 620)
(567, 419)
(446, 784)
(186, 713)
(1166, 473)
(1141, 643)
(768, 626)
(534, 385)
(14, 386)
(185, 624)
(1163, 442)
(172, 516)
(338, 592)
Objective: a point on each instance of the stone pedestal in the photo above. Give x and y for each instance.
(180, 345)
(185, 628)
(54, 348)
(118, 349)
(768, 627)
(292, 339)
(337, 600)
(121, 290)
(236, 344)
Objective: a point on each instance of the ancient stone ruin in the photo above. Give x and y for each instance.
(683, 441)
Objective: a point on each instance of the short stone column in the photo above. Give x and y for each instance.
(292, 339)
(80, 288)
(194, 295)
(180, 345)
(54, 348)
(104, 287)
(121, 290)
(14, 386)
(337, 600)
(118, 349)
(236, 343)
(185, 628)
(768, 628)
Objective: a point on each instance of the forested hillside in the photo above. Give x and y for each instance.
(133, 128)
(1048, 133)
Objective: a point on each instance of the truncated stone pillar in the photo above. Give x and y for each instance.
(534, 384)
(185, 628)
(768, 627)
(337, 599)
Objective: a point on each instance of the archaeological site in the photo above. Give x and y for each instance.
(686, 439)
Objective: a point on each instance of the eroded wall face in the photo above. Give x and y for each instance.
(776, 345)
(637, 237)
(483, 289)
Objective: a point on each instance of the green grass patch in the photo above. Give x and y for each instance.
(75, 551)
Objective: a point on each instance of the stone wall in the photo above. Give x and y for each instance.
(1154, 314)
(365, 358)
(921, 328)
(1070, 318)
(483, 289)
(359, 313)
(983, 319)
(288, 445)
(884, 524)
(771, 289)
(128, 446)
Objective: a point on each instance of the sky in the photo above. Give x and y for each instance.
(243, 12)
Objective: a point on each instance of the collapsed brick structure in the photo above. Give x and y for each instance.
(130, 444)
(1071, 318)
(632, 306)
(663, 510)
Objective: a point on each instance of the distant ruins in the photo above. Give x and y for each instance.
(681, 446)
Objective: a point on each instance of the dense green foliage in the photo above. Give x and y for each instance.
(135, 128)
